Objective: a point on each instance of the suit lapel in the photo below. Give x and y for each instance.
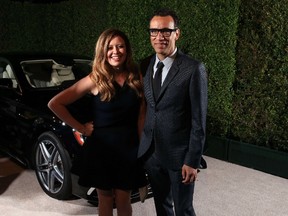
(171, 74)
(148, 87)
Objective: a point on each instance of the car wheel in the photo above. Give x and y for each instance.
(52, 166)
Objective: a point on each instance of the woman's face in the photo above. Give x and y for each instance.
(117, 52)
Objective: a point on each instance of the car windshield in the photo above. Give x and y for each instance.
(49, 73)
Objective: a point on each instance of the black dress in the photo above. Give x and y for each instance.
(109, 156)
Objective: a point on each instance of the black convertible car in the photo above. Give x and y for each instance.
(30, 132)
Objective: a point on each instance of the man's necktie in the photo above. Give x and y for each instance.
(158, 79)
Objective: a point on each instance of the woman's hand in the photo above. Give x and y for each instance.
(87, 129)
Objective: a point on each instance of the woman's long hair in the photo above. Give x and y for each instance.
(102, 73)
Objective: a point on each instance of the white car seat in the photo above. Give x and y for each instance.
(61, 73)
(9, 74)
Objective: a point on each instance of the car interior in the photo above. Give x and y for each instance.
(61, 73)
(8, 73)
(7, 78)
(46, 73)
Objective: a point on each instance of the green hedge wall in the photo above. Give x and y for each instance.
(208, 33)
(261, 86)
(57, 27)
(242, 43)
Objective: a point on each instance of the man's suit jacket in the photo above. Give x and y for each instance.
(176, 121)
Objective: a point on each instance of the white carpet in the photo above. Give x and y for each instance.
(224, 189)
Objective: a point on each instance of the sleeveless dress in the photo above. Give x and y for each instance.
(109, 156)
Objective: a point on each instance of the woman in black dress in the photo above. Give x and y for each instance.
(109, 154)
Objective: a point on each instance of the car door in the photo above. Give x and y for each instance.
(9, 97)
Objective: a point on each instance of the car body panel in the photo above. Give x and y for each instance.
(24, 114)
(30, 132)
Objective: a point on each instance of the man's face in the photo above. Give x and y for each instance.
(163, 43)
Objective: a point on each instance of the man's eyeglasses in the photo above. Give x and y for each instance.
(166, 32)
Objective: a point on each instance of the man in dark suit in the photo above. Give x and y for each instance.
(174, 132)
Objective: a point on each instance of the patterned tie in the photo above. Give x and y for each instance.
(158, 79)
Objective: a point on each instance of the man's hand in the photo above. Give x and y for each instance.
(189, 174)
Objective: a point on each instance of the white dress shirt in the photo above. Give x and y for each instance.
(168, 61)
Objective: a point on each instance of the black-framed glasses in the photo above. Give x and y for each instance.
(166, 32)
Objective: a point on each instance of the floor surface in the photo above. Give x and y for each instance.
(223, 189)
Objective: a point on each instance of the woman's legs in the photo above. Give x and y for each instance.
(123, 202)
(105, 202)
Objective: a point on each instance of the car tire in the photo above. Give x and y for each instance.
(52, 166)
